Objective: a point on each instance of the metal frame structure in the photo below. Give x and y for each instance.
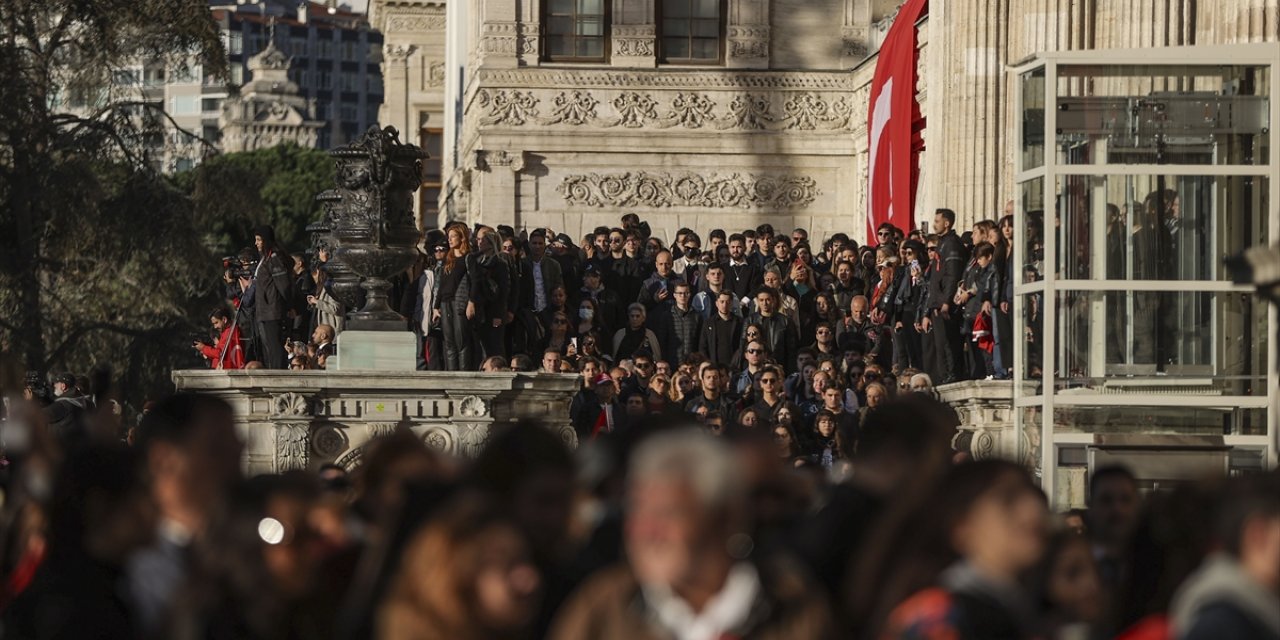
(1037, 399)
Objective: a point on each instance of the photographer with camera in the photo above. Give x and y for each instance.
(228, 352)
(272, 296)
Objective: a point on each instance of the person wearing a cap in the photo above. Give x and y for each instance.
(426, 318)
(273, 291)
(607, 300)
(605, 415)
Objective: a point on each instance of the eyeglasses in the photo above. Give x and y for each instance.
(870, 375)
(439, 249)
(768, 380)
(882, 233)
(755, 350)
(682, 293)
(615, 240)
(643, 365)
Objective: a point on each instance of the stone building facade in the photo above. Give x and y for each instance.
(270, 109)
(773, 129)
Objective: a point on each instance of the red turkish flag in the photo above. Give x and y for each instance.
(895, 125)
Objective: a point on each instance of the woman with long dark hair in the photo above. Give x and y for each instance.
(455, 306)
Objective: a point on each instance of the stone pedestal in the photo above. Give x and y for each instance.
(375, 351)
(304, 419)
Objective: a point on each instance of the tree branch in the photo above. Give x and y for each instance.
(79, 332)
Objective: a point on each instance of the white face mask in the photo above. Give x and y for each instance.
(586, 314)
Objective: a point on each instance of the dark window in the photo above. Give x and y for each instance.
(691, 31)
(576, 30)
(432, 141)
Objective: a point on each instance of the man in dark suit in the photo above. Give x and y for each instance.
(741, 275)
(605, 415)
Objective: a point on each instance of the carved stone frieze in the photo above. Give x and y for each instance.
(572, 107)
(435, 74)
(291, 446)
(508, 107)
(416, 24)
(800, 111)
(661, 190)
(396, 52)
(633, 47)
(500, 158)
(473, 407)
(380, 429)
(749, 48)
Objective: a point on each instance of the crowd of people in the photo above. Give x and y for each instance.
(663, 529)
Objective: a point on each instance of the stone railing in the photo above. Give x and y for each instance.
(303, 419)
(985, 409)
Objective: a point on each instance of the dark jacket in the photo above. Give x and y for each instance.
(678, 331)
(980, 281)
(490, 286)
(742, 279)
(551, 278)
(625, 275)
(584, 421)
(720, 338)
(273, 290)
(945, 273)
(780, 336)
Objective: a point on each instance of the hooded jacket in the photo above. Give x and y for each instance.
(1221, 601)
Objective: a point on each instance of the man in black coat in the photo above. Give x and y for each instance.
(722, 332)
(944, 350)
(273, 294)
(741, 275)
(605, 415)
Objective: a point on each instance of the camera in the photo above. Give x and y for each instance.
(237, 268)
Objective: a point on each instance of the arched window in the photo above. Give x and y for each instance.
(691, 31)
(575, 30)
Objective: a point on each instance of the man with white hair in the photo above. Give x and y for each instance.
(690, 573)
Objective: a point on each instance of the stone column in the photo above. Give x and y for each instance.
(633, 35)
(748, 31)
(395, 71)
(971, 92)
(855, 33)
(496, 199)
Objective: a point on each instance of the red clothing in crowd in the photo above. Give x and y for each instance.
(232, 357)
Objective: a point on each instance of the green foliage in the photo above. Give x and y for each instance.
(100, 258)
(235, 192)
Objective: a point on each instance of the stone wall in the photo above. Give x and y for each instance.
(304, 419)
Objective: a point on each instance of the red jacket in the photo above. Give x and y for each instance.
(232, 357)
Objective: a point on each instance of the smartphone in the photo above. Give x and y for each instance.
(573, 342)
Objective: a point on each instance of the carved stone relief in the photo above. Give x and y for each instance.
(660, 190)
(290, 404)
(801, 111)
(328, 441)
(440, 440)
(472, 407)
(380, 429)
(291, 446)
(415, 24)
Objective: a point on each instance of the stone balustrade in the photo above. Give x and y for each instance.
(304, 419)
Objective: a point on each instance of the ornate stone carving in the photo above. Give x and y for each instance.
(435, 74)
(398, 52)
(569, 436)
(572, 107)
(508, 107)
(380, 429)
(290, 404)
(661, 190)
(690, 110)
(633, 47)
(439, 439)
(352, 459)
(748, 111)
(983, 445)
(806, 111)
(854, 40)
(513, 160)
(471, 439)
(328, 441)
(416, 24)
(472, 407)
(291, 446)
(634, 110)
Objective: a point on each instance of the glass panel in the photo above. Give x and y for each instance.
(1031, 229)
(706, 28)
(562, 7)
(1033, 119)
(1032, 338)
(559, 46)
(591, 6)
(560, 25)
(590, 47)
(675, 48)
(675, 8)
(707, 8)
(1160, 420)
(1157, 227)
(1163, 114)
(590, 27)
(673, 28)
(705, 49)
(1175, 343)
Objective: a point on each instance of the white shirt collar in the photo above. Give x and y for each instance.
(725, 612)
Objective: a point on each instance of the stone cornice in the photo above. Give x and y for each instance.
(552, 78)
(406, 15)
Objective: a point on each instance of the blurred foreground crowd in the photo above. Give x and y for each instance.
(665, 529)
